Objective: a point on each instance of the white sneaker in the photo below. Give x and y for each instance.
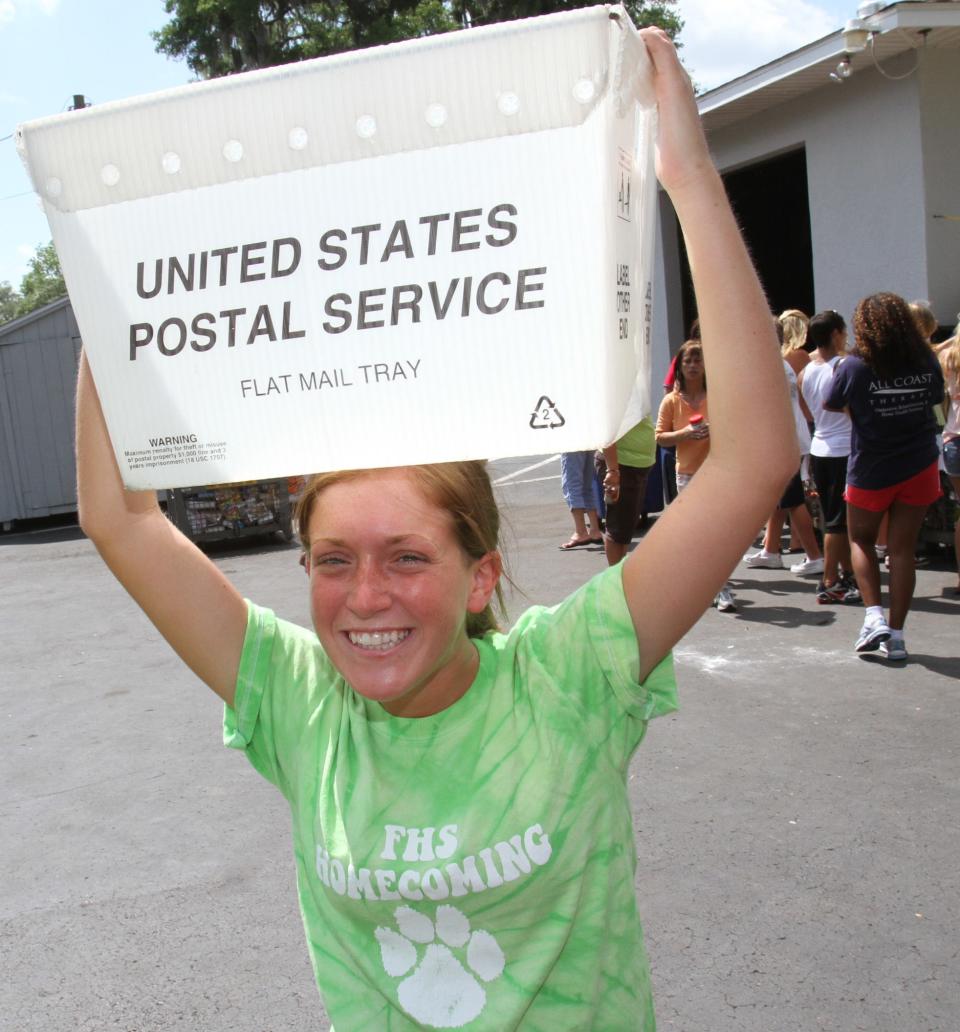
(872, 636)
(893, 649)
(808, 568)
(763, 560)
(724, 601)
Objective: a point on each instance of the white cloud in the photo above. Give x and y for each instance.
(724, 40)
(10, 8)
(25, 250)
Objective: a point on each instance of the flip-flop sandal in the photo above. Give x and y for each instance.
(575, 543)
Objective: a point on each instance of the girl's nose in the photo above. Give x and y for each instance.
(369, 593)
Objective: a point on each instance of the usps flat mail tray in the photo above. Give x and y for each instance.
(429, 251)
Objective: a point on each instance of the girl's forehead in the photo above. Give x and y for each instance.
(379, 498)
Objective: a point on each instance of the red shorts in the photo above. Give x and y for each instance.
(921, 489)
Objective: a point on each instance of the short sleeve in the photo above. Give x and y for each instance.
(665, 416)
(585, 649)
(284, 678)
(613, 642)
(839, 394)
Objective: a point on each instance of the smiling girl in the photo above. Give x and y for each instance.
(463, 838)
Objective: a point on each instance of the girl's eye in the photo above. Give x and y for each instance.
(329, 561)
(410, 559)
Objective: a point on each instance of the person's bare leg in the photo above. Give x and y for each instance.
(902, 533)
(882, 534)
(846, 563)
(795, 540)
(956, 530)
(836, 557)
(613, 549)
(581, 535)
(771, 537)
(802, 523)
(593, 519)
(863, 526)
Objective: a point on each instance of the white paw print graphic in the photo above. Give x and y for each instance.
(441, 992)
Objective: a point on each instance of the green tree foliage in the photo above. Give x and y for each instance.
(9, 302)
(220, 37)
(43, 283)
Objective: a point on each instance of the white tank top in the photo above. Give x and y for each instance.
(831, 430)
(799, 421)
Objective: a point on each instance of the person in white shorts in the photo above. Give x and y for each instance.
(829, 450)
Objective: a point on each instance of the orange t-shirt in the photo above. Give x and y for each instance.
(674, 415)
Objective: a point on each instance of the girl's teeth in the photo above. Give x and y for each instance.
(377, 639)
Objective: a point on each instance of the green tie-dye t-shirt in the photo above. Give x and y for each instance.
(473, 869)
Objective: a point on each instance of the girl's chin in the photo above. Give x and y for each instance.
(413, 701)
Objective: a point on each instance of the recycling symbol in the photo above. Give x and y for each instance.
(546, 416)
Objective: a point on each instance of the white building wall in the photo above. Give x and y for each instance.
(883, 157)
(864, 178)
(940, 125)
(874, 165)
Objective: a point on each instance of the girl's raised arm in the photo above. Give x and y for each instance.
(671, 577)
(188, 599)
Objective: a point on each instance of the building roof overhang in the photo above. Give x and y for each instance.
(904, 26)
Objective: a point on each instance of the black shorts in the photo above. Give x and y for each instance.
(794, 494)
(624, 514)
(830, 476)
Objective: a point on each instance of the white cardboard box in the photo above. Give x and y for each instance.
(429, 251)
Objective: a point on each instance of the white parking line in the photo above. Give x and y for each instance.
(526, 469)
(531, 480)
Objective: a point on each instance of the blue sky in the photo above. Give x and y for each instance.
(52, 49)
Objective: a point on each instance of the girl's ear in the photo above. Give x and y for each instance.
(486, 575)
(305, 562)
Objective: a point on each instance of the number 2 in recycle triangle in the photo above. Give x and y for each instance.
(546, 416)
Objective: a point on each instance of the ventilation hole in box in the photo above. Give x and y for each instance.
(508, 103)
(436, 116)
(298, 138)
(366, 127)
(110, 175)
(584, 90)
(233, 150)
(54, 187)
(170, 163)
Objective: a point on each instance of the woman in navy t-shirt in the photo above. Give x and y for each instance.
(889, 388)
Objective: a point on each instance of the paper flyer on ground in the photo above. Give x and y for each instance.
(431, 251)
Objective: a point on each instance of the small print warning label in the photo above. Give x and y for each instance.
(176, 450)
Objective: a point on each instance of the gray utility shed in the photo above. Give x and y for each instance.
(39, 356)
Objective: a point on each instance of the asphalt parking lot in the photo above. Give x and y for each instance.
(796, 820)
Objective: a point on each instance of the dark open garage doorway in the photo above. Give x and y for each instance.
(771, 204)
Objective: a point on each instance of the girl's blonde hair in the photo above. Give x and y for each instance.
(794, 325)
(927, 322)
(950, 356)
(461, 489)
